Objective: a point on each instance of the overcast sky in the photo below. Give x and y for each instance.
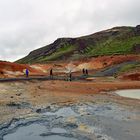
(29, 24)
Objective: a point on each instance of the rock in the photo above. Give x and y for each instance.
(71, 125)
(18, 94)
(13, 104)
(108, 108)
(43, 110)
(136, 48)
(137, 30)
(38, 110)
(99, 136)
(18, 105)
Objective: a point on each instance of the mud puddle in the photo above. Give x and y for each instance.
(89, 121)
(37, 132)
(31, 132)
(64, 112)
(129, 93)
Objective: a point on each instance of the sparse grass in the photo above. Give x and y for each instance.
(59, 53)
(113, 46)
(129, 67)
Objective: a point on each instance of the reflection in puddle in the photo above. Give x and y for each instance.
(129, 93)
(58, 130)
(33, 131)
(58, 138)
(104, 121)
(30, 132)
(64, 112)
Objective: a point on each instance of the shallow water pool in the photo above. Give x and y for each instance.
(64, 112)
(130, 93)
(33, 132)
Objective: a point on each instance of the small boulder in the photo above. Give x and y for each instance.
(136, 48)
(137, 30)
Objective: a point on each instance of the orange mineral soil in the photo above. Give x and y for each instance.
(8, 69)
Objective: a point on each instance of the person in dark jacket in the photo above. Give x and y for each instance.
(51, 74)
(83, 71)
(86, 72)
(70, 76)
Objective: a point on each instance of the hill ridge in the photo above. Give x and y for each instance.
(114, 41)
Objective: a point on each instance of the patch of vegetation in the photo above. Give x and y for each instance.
(26, 60)
(129, 67)
(115, 41)
(113, 46)
(59, 53)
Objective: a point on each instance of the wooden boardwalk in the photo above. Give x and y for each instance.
(43, 78)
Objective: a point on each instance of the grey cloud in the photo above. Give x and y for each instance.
(29, 24)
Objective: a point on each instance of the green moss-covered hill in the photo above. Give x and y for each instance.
(115, 41)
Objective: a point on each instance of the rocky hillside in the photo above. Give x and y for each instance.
(115, 41)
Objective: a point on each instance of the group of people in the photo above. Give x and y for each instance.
(85, 72)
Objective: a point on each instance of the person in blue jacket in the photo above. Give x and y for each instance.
(27, 73)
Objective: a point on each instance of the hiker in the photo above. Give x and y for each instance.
(70, 76)
(86, 72)
(51, 74)
(27, 73)
(83, 71)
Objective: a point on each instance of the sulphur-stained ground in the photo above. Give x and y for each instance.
(86, 109)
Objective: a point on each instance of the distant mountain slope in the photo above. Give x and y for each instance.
(115, 41)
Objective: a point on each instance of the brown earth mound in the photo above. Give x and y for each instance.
(131, 76)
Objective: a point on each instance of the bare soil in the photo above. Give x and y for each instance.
(17, 98)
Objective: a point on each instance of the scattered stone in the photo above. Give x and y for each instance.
(43, 110)
(99, 136)
(13, 104)
(137, 30)
(108, 108)
(19, 105)
(71, 125)
(136, 48)
(18, 94)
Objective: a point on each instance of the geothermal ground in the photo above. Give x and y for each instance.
(87, 108)
(64, 110)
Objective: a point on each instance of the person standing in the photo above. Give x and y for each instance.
(83, 71)
(51, 74)
(70, 76)
(27, 73)
(86, 72)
